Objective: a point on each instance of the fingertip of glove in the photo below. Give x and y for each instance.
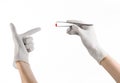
(11, 25)
(38, 28)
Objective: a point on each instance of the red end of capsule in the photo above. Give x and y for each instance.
(56, 25)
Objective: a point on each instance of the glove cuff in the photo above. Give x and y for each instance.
(20, 59)
(98, 54)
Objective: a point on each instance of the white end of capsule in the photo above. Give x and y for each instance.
(62, 24)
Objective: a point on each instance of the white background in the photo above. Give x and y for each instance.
(59, 57)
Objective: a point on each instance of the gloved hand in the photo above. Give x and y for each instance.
(88, 38)
(23, 44)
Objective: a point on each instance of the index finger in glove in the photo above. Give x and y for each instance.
(78, 23)
(30, 32)
(74, 21)
(81, 24)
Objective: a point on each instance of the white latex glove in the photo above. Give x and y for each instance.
(23, 44)
(88, 38)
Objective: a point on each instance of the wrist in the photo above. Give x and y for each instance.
(19, 61)
(20, 58)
